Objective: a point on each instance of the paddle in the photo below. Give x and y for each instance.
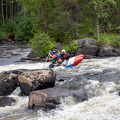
(47, 59)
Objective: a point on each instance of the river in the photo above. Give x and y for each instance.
(103, 102)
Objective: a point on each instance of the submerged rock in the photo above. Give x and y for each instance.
(6, 101)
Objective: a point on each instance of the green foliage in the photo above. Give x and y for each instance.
(109, 38)
(24, 27)
(103, 10)
(72, 46)
(42, 44)
(2, 34)
(9, 26)
(63, 20)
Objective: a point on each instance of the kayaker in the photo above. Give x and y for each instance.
(55, 58)
(63, 55)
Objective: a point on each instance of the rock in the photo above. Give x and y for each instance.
(6, 101)
(88, 46)
(108, 50)
(58, 46)
(106, 75)
(31, 54)
(36, 80)
(117, 50)
(47, 98)
(50, 98)
(8, 81)
(12, 53)
(11, 37)
(1, 52)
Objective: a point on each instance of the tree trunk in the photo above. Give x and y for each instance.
(97, 24)
(46, 15)
(2, 10)
(98, 30)
(6, 10)
(77, 12)
(118, 16)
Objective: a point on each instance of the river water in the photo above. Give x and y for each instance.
(103, 102)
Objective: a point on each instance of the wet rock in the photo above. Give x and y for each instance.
(6, 101)
(36, 80)
(12, 53)
(8, 81)
(47, 98)
(31, 54)
(117, 50)
(107, 75)
(1, 52)
(108, 50)
(88, 46)
(50, 98)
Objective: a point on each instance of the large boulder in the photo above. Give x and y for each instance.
(6, 101)
(59, 46)
(50, 98)
(88, 46)
(117, 50)
(8, 81)
(108, 50)
(36, 80)
(47, 98)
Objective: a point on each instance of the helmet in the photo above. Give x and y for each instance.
(63, 50)
(53, 52)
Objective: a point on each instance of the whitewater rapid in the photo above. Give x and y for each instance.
(105, 105)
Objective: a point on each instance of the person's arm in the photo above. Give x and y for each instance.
(50, 54)
(54, 56)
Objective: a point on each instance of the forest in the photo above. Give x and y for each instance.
(46, 22)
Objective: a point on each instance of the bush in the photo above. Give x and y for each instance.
(9, 26)
(72, 46)
(24, 27)
(2, 34)
(41, 44)
(113, 39)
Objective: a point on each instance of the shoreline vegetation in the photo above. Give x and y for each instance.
(42, 24)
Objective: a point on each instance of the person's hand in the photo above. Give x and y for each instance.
(49, 58)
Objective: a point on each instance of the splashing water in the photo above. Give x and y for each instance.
(103, 102)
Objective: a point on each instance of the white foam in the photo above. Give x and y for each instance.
(98, 108)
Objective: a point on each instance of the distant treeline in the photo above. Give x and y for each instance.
(61, 20)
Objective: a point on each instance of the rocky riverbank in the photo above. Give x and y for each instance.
(88, 47)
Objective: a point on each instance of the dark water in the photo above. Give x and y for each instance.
(12, 53)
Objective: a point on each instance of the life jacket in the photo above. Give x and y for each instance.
(63, 56)
(57, 56)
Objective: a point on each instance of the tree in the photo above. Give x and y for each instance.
(102, 8)
(2, 11)
(42, 44)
